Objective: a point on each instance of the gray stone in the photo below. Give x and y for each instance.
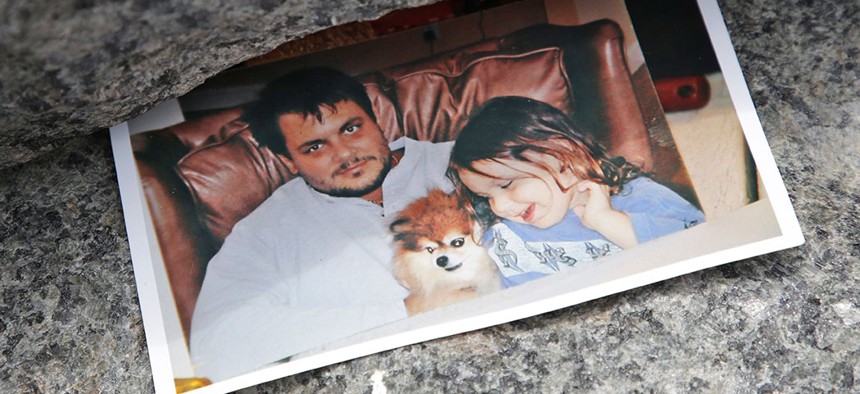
(72, 67)
(784, 322)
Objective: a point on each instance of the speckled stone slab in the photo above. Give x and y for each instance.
(71, 67)
(783, 322)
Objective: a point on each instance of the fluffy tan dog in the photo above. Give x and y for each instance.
(437, 256)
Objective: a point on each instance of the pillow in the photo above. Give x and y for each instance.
(229, 176)
(432, 100)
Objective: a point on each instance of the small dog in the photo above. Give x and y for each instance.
(437, 257)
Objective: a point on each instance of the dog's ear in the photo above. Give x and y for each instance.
(477, 232)
(464, 205)
(403, 232)
(400, 226)
(462, 201)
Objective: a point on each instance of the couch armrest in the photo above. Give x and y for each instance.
(185, 246)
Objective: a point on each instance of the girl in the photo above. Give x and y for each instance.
(550, 197)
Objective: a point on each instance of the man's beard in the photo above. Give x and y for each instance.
(353, 192)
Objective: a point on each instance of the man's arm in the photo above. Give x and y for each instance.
(238, 308)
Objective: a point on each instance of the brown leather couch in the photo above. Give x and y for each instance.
(202, 176)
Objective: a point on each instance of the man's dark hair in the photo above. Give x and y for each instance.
(303, 92)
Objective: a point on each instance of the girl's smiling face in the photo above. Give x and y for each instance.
(522, 191)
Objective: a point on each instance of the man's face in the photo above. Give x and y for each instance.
(344, 155)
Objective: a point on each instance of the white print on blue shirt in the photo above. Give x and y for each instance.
(526, 260)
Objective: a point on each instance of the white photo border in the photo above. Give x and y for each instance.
(773, 213)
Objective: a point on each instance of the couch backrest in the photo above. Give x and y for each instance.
(230, 174)
(432, 99)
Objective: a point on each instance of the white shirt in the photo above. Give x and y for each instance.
(306, 268)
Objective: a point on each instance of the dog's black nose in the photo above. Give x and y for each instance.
(442, 261)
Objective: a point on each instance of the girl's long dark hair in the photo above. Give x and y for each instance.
(509, 127)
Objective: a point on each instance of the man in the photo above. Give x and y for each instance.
(312, 263)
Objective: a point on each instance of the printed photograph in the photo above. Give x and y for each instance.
(467, 161)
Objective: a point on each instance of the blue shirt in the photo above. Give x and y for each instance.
(525, 252)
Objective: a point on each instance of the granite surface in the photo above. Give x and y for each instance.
(784, 322)
(72, 67)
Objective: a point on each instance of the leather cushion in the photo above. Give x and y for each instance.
(433, 100)
(229, 176)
